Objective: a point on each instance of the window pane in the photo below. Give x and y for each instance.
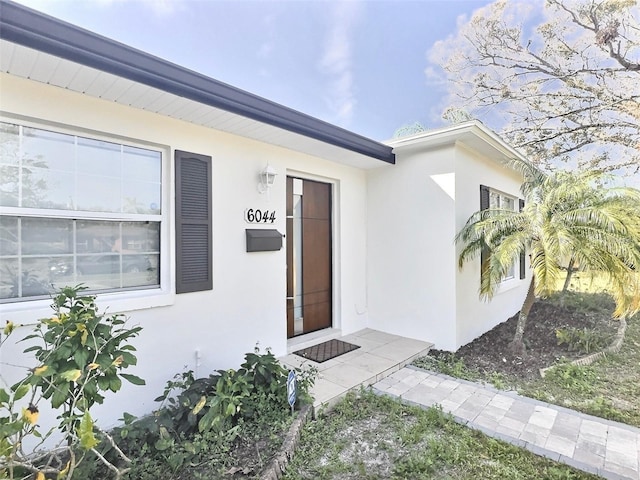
(511, 273)
(99, 158)
(8, 237)
(98, 194)
(28, 278)
(141, 164)
(9, 144)
(35, 277)
(46, 236)
(141, 188)
(50, 150)
(140, 237)
(508, 203)
(9, 276)
(140, 270)
(141, 197)
(9, 186)
(44, 188)
(62, 271)
(96, 237)
(48, 165)
(60, 172)
(494, 200)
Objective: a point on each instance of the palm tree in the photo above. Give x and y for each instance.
(566, 215)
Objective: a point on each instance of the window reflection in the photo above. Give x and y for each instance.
(103, 255)
(66, 172)
(77, 180)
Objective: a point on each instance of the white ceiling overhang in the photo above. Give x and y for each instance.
(40, 48)
(473, 134)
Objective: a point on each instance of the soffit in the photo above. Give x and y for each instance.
(42, 67)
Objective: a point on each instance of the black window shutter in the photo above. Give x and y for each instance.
(484, 205)
(194, 270)
(523, 259)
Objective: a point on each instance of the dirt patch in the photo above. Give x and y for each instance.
(490, 352)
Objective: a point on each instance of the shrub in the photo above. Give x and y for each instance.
(202, 417)
(581, 340)
(81, 354)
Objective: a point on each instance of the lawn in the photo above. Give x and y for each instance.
(608, 388)
(373, 437)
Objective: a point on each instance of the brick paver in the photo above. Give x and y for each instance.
(606, 448)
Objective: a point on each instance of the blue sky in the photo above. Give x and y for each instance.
(357, 64)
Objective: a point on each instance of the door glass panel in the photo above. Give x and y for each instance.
(297, 264)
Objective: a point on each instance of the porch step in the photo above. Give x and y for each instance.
(380, 354)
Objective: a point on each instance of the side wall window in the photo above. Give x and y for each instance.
(490, 198)
(194, 266)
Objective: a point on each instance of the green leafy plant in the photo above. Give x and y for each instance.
(581, 340)
(572, 377)
(202, 417)
(603, 407)
(81, 354)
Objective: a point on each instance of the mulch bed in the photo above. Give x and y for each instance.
(490, 352)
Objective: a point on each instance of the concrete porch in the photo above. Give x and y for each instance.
(380, 354)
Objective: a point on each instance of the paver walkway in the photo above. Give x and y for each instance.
(606, 448)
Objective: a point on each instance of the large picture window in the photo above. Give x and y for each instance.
(76, 210)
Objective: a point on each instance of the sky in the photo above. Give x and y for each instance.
(361, 65)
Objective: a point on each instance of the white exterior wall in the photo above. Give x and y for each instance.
(411, 259)
(473, 315)
(415, 209)
(247, 303)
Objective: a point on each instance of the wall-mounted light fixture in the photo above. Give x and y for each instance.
(267, 178)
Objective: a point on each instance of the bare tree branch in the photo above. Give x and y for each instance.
(566, 89)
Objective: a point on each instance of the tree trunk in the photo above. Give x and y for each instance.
(567, 280)
(570, 270)
(517, 344)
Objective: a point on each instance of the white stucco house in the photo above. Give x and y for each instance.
(144, 181)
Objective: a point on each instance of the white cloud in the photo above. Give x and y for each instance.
(160, 8)
(337, 60)
(267, 47)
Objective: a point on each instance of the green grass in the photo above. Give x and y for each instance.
(612, 389)
(608, 388)
(371, 437)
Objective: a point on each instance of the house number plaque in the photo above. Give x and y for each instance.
(255, 215)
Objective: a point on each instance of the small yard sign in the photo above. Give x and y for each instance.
(291, 389)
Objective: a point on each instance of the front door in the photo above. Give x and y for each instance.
(309, 290)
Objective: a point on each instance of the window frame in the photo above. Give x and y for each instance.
(123, 299)
(486, 192)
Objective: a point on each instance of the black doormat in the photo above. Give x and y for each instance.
(326, 350)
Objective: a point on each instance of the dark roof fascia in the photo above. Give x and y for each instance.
(33, 29)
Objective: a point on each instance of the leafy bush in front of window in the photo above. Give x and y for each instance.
(81, 354)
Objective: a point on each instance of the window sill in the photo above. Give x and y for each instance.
(27, 312)
(509, 284)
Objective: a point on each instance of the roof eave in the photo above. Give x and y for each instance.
(27, 27)
(473, 133)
